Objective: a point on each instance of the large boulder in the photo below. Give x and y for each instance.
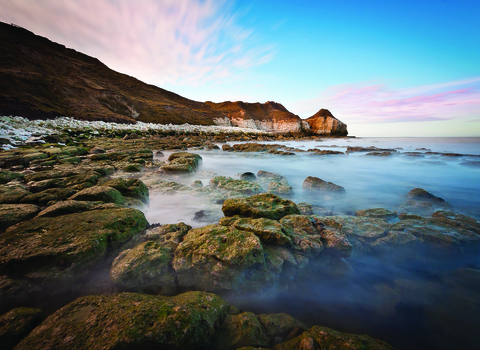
(264, 205)
(421, 202)
(127, 321)
(274, 183)
(220, 258)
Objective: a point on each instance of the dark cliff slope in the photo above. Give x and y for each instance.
(41, 79)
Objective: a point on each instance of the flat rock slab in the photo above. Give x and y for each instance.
(131, 321)
(65, 247)
(11, 214)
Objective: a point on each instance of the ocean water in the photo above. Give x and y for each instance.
(406, 304)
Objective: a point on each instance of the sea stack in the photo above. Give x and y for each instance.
(324, 123)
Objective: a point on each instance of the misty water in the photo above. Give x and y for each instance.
(389, 298)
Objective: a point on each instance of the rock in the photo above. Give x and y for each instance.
(133, 168)
(219, 258)
(12, 193)
(197, 184)
(186, 321)
(275, 183)
(241, 330)
(191, 159)
(264, 205)
(379, 154)
(280, 325)
(248, 176)
(56, 252)
(11, 214)
(67, 207)
(99, 193)
(324, 123)
(381, 213)
(96, 150)
(172, 233)
(305, 208)
(133, 188)
(7, 176)
(227, 148)
(323, 338)
(40, 198)
(312, 183)
(418, 201)
(420, 195)
(240, 186)
(269, 231)
(17, 324)
(144, 269)
(132, 136)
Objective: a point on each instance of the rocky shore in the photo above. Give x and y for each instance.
(80, 263)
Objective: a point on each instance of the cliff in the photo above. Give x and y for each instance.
(270, 116)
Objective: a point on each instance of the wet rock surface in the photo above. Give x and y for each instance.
(69, 231)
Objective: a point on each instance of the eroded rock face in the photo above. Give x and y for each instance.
(270, 116)
(186, 321)
(324, 123)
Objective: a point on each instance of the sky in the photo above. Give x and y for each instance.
(384, 67)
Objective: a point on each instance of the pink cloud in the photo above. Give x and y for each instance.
(157, 41)
(377, 103)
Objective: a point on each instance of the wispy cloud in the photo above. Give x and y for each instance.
(158, 41)
(378, 103)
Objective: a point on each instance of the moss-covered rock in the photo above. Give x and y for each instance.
(381, 213)
(241, 186)
(219, 258)
(172, 233)
(323, 338)
(241, 330)
(134, 188)
(145, 269)
(99, 193)
(11, 214)
(279, 326)
(12, 193)
(56, 252)
(17, 324)
(133, 168)
(126, 321)
(264, 205)
(274, 183)
(7, 176)
(40, 198)
(269, 231)
(67, 207)
(182, 162)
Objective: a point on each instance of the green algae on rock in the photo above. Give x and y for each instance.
(264, 205)
(323, 338)
(17, 324)
(134, 188)
(128, 320)
(11, 214)
(99, 193)
(144, 269)
(56, 252)
(241, 330)
(182, 162)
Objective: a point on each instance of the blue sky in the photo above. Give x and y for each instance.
(385, 68)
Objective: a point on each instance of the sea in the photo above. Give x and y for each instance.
(407, 305)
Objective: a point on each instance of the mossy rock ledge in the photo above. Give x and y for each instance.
(58, 253)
